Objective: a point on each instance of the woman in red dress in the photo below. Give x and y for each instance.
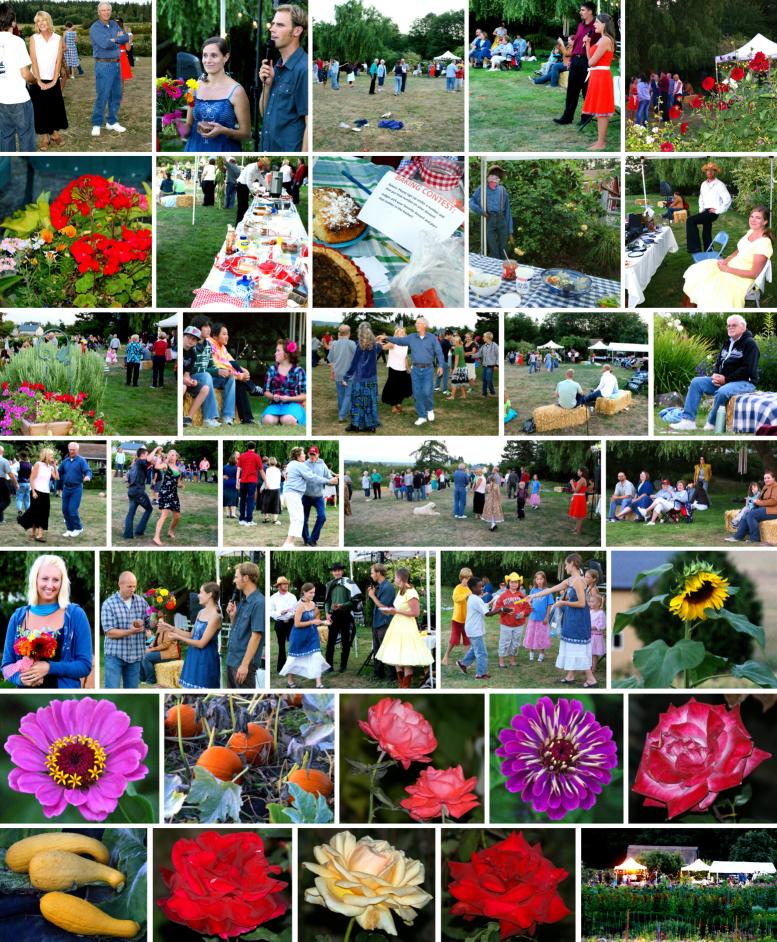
(600, 98)
(126, 70)
(579, 504)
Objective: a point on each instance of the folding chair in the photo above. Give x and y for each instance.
(720, 240)
(757, 288)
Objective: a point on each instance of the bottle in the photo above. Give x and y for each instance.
(230, 246)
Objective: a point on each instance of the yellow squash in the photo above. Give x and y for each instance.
(61, 870)
(20, 854)
(77, 915)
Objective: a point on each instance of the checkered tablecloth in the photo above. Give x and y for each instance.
(538, 294)
(752, 410)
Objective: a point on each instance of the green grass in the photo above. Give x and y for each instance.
(143, 411)
(350, 680)
(390, 522)
(661, 428)
(179, 275)
(267, 534)
(506, 113)
(92, 512)
(526, 392)
(198, 525)
(245, 431)
(433, 118)
(474, 415)
(708, 527)
(666, 286)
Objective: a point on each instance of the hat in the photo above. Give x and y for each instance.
(336, 566)
(281, 580)
(194, 332)
(496, 169)
(666, 481)
(314, 450)
(711, 166)
(513, 577)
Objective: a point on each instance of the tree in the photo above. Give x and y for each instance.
(518, 452)
(567, 456)
(758, 846)
(661, 861)
(359, 33)
(658, 38)
(487, 322)
(521, 327)
(434, 34)
(280, 450)
(431, 453)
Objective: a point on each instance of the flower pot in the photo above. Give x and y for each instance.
(62, 427)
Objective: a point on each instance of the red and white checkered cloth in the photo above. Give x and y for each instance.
(447, 177)
(271, 298)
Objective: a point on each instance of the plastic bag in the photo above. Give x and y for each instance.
(437, 265)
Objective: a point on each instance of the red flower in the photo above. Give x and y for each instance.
(511, 882)
(99, 426)
(708, 83)
(675, 111)
(696, 751)
(667, 146)
(400, 731)
(222, 884)
(737, 73)
(696, 101)
(721, 88)
(438, 792)
(684, 127)
(722, 106)
(759, 63)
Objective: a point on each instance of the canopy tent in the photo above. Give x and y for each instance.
(550, 345)
(171, 321)
(447, 56)
(758, 43)
(599, 345)
(630, 865)
(742, 866)
(629, 347)
(698, 866)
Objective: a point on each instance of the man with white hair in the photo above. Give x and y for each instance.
(107, 37)
(6, 475)
(74, 472)
(425, 352)
(735, 372)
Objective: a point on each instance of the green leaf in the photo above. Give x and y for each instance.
(739, 623)
(308, 808)
(174, 795)
(468, 844)
(11, 882)
(129, 855)
(216, 801)
(745, 794)
(628, 682)
(260, 934)
(136, 809)
(623, 619)
(647, 573)
(384, 799)
(360, 768)
(711, 665)
(278, 814)
(659, 664)
(85, 282)
(756, 671)
(10, 836)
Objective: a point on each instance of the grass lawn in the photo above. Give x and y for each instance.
(128, 410)
(267, 534)
(526, 392)
(452, 417)
(92, 512)
(666, 286)
(198, 525)
(708, 527)
(135, 113)
(433, 118)
(244, 431)
(351, 679)
(661, 427)
(178, 276)
(507, 113)
(391, 522)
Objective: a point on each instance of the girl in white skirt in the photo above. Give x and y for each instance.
(304, 658)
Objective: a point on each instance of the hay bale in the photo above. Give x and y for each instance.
(730, 406)
(549, 418)
(618, 404)
(768, 530)
(680, 215)
(197, 417)
(563, 80)
(730, 514)
(168, 673)
(184, 201)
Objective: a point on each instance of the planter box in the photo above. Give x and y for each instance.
(64, 427)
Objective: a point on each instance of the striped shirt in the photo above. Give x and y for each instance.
(115, 613)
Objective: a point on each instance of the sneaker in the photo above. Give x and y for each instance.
(67, 533)
(95, 130)
(116, 127)
(684, 425)
(531, 655)
(228, 420)
(430, 416)
(642, 512)
(732, 539)
(420, 421)
(241, 523)
(187, 420)
(650, 523)
(211, 423)
(482, 676)
(251, 523)
(461, 667)
(708, 427)
(278, 523)
(541, 658)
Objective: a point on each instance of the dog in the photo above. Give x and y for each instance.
(427, 510)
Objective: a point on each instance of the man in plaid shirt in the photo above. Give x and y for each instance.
(124, 620)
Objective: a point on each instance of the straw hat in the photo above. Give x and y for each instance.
(513, 577)
(496, 170)
(711, 166)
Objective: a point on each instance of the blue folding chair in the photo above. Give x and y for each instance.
(720, 240)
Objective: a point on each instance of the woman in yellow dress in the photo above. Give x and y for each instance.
(403, 647)
(721, 284)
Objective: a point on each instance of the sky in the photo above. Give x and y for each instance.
(451, 319)
(38, 317)
(397, 450)
(402, 12)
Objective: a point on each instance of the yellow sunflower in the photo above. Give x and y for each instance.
(701, 590)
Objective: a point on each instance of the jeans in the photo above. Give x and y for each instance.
(23, 497)
(210, 408)
(703, 385)
(71, 501)
(397, 84)
(418, 494)
(496, 237)
(592, 396)
(343, 400)
(750, 523)
(459, 501)
(488, 380)
(643, 112)
(17, 120)
(227, 384)
(556, 68)
(147, 672)
(107, 77)
(450, 84)
(308, 504)
(335, 81)
(247, 500)
(229, 196)
(409, 492)
(422, 380)
(477, 652)
(616, 504)
(120, 673)
(137, 499)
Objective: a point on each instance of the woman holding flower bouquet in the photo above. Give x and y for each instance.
(220, 118)
(36, 518)
(48, 642)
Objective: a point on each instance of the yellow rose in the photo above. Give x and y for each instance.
(367, 880)
(164, 591)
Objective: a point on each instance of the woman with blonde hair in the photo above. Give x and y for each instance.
(362, 377)
(169, 501)
(398, 386)
(48, 642)
(271, 491)
(403, 647)
(46, 52)
(298, 475)
(36, 517)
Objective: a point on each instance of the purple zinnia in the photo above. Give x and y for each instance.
(78, 752)
(557, 756)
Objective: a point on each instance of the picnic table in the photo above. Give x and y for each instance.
(536, 294)
(639, 271)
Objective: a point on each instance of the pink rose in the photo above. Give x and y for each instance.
(400, 731)
(439, 791)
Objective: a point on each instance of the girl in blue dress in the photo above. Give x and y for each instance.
(220, 118)
(304, 657)
(202, 666)
(230, 493)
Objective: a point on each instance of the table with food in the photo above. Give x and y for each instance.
(355, 264)
(644, 256)
(508, 284)
(263, 262)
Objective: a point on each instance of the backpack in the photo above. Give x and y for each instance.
(528, 427)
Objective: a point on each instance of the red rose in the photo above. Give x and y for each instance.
(438, 792)
(708, 83)
(722, 106)
(511, 882)
(696, 751)
(675, 111)
(721, 87)
(684, 127)
(667, 146)
(737, 73)
(400, 731)
(221, 884)
(696, 101)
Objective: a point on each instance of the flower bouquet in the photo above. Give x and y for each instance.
(170, 95)
(33, 645)
(90, 248)
(159, 600)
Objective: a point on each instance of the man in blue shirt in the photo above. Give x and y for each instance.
(284, 101)
(460, 485)
(106, 38)
(425, 352)
(382, 594)
(74, 472)
(499, 218)
(245, 648)
(313, 498)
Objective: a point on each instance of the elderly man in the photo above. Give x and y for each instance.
(425, 352)
(124, 620)
(569, 392)
(7, 478)
(607, 387)
(735, 372)
(284, 101)
(499, 217)
(313, 498)
(714, 200)
(624, 490)
(765, 509)
(106, 37)
(340, 356)
(245, 648)
(74, 472)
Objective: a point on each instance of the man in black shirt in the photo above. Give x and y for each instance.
(137, 496)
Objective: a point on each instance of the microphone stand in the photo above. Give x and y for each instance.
(257, 87)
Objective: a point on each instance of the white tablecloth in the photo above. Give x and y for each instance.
(639, 271)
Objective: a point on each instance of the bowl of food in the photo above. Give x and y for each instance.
(566, 281)
(483, 284)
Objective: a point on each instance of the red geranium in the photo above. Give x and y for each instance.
(696, 751)
(438, 792)
(737, 73)
(759, 63)
(684, 127)
(696, 101)
(400, 731)
(222, 884)
(511, 882)
(722, 106)
(708, 83)
(675, 111)
(667, 146)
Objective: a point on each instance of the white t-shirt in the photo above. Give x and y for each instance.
(397, 358)
(209, 172)
(286, 173)
(608, 384)
(272, 474)
(46, 52)
(13, 58)
(475, 625)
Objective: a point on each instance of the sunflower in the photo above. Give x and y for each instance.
(702, 588)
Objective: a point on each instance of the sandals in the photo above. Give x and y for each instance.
(291, 686)
(56, 138)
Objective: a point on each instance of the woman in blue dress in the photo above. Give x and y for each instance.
(304, 658)
(220, 118)
(362, 377)
(230, 494)
(202, 665)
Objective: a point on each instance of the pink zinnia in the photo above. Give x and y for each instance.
(78, 752)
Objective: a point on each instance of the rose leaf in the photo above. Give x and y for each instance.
(623, 619)
(260, 934)
(739, 623)
(659, 664)
(217, 800)
(755, 671)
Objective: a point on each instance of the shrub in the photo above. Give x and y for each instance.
(767, 379)
(676, 356)
(87, 371)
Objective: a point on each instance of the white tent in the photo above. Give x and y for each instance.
(630, 865)
(758, 43)
(741, 866)
(171, 321)
(599, 345)
(447, 56)
(628, 347)
(550, 345)
(698, 866)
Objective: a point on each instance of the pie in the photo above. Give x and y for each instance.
(337, 281)
(335, 216)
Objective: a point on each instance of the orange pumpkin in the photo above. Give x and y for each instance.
(221, 762)
(311, 780)
(255, 746)
(190, 725)
(293, 699)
